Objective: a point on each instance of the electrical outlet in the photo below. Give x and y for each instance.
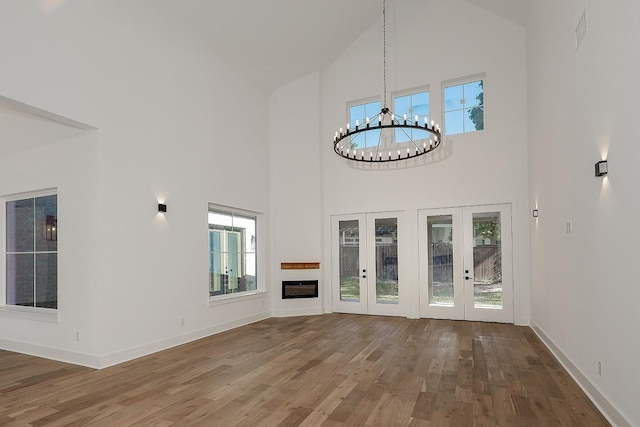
(78, 336)
(600, 367)
(569, 227)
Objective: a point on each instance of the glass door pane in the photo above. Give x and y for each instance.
(440, 260)
(384, 264)
(440, 245)
(488, 263)
(215, 262)
(487, 260)
(349, 260)
(233, 259)
(386, 238)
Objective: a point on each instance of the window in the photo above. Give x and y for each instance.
(360, 113)
(464, 107)
(232, 252)
(31, 251)
(410, 106)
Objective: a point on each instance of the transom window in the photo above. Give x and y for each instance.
(232, 252)
(360, 112)
(464, 107)
(31, 251)
(411, 105)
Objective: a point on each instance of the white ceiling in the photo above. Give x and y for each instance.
(513, 10)
(268, 42)
(272, 42)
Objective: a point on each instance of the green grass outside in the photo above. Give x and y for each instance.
(387, 290)
(484, 295)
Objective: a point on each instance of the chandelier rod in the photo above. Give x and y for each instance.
(384, 52)
(343, 142)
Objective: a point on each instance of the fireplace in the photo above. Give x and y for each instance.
(299, 289)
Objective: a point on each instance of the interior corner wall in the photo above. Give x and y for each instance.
(158, 101)
(582, 109)
(477, 168)
(296, 190)
(69, 166)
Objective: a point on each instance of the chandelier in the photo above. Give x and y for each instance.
(420, 135)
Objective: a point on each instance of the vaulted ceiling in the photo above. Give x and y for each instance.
(271, 42)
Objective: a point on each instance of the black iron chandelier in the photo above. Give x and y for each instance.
(421, 138)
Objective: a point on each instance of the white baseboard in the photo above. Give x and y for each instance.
(146, 349)
(76, 358)
(613, 415)
(100, 362)
(297, 312)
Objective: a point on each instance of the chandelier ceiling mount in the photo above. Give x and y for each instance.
(387, 127)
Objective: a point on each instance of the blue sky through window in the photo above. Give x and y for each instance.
(360, 112)
(459, 101)
(415, 104)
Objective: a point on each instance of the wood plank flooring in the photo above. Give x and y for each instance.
(332, 370)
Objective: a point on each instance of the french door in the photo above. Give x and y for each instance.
(466, 263)
(365, 276)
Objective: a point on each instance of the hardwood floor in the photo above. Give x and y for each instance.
(331, 370)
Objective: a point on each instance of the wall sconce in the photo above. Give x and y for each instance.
(602, 168)
(51, 230)
(162, 207)
(535, 213)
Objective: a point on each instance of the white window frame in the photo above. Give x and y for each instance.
(222, 298)
(461, 81)
(40, 312)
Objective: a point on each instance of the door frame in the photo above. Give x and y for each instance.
(464, 308)
(367, 257)
(432, 310)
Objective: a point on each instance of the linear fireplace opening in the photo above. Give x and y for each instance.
(299, 289)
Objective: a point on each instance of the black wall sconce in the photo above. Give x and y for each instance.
(162, 207)
(602, 168)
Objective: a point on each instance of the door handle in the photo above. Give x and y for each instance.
(364, 276)
(468, 278)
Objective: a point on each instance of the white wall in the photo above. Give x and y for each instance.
(296, 190)
(167, 116)
(429, 42)
(66, 160)
(582, 108)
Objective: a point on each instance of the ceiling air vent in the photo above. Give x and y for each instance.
(581, 29)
